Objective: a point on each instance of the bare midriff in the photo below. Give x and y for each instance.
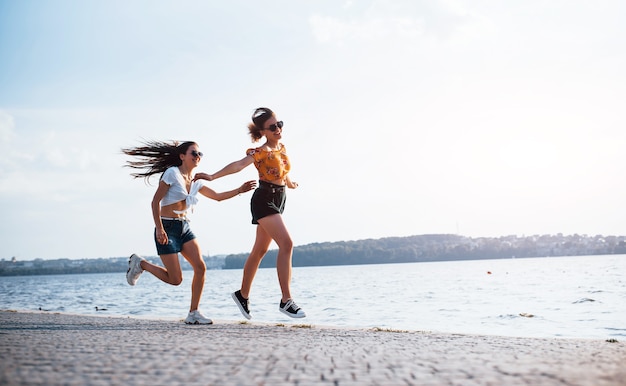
(168, 210)
(276, 182)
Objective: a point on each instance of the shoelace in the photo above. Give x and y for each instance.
(291, 304)
(198, 316)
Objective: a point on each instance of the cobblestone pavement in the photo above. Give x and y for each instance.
(58, 349)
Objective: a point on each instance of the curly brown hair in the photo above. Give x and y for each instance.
(259, 117)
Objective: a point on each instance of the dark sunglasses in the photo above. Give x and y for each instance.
(276, 126)
(196, 153)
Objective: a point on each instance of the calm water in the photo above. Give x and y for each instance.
(579, 297)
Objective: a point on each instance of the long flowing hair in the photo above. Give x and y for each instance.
(155, 157)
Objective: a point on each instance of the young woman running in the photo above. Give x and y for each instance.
(267, 205)
(175, 196)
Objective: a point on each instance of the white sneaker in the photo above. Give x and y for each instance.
(134, 269)
(195, 317)
(290, 308)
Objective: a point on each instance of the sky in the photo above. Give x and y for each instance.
(407, 117)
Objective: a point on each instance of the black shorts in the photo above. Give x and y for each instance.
(266, 200)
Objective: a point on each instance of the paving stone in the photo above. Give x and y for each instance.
(60, 349)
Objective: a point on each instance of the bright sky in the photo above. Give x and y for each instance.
(402, 118)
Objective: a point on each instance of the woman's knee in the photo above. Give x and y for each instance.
(175, 279)
(259, 250)
(191, 253)
(285, 243)
(199, 267)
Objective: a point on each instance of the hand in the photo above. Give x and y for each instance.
(161, 236)
(247, 186)
(203, 176)
(292, 184)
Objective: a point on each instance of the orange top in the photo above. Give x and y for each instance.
(271, 164)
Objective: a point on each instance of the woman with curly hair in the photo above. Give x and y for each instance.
(267, 205)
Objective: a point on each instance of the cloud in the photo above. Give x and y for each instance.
(404, 21)
(327, 29)
(7, 127)
(8, 137)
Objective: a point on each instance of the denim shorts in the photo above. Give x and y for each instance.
(178, 233)
(266, 200)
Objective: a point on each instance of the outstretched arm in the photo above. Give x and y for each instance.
(231, 168)
(212, 194)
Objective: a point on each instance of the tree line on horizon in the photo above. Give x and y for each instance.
(440, 247)
(422, 248)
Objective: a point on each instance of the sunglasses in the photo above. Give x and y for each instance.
(196, 153)
(275, 126)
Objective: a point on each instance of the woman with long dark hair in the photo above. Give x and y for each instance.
(174, 198)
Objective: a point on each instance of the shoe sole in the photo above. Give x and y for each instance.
(130, 259)
(128, 278)
(196, 322)
(128, 275)
(295, 316)
(243, 312)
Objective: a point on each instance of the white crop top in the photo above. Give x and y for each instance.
(178, 190)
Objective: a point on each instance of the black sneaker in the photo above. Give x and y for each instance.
(290, 308)
(242, 303)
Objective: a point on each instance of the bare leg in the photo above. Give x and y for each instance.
(171, 274)
(191, 253)
(261, 245)
(275, 227)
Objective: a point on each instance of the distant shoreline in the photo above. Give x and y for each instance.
(122, 265)
(390, 250)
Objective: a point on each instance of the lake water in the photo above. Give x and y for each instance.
(577, 297)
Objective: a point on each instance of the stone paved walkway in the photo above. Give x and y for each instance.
(57, 349)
